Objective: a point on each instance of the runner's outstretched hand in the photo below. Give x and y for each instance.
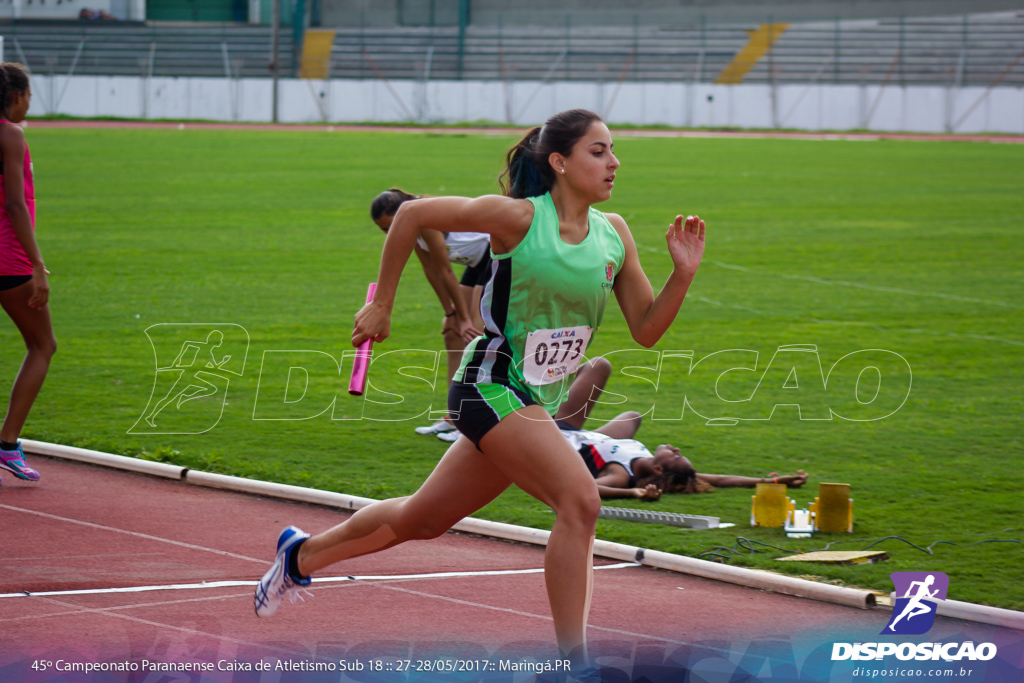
(685, 238)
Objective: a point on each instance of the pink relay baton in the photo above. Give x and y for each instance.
(361, 362)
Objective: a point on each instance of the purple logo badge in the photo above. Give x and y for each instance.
(917, 595)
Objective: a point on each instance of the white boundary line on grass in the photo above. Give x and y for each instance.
(738, 575)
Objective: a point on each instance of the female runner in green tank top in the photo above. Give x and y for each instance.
(556, 261)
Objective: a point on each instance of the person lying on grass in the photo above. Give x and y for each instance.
(622, 466)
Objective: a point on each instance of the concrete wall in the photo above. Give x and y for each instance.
(815, 107)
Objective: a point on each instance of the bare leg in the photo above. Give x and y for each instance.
(473, 296)
(526, 449)
(35, 327)
(584, 392)
(622, 426)
(454, 345)
(462, 483)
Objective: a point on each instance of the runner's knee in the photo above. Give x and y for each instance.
(581, 508)
(632, 418)
(603, 367)
(416, 524)
(45, 346)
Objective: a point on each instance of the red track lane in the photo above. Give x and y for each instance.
(86, 527)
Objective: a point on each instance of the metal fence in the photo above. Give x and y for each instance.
(970, 50)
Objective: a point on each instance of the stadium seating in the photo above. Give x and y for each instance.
(978, 50)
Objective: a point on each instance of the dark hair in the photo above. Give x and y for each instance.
(527, 171)
(677, 481)
(13, 79)
(388, 201)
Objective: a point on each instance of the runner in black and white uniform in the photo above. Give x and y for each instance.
(437, 251)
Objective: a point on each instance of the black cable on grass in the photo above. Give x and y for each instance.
(967, 545)
(746, 544)
(929, 551)
(898, 538)
(741, 541)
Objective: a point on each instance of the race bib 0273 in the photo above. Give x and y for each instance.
(553, 355)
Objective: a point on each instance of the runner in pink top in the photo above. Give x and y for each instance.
(13, 259)
(24, 289)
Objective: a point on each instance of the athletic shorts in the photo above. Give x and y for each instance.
(475, 409)
(478, 275)
(12, 281)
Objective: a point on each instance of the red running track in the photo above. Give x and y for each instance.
(91, 528)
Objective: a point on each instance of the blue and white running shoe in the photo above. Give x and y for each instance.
(277, 582)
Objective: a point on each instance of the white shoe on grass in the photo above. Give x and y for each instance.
(439, 427)
(450, 437)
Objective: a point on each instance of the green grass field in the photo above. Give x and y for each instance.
(907, 247)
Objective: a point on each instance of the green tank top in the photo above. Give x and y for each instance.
(542, 304)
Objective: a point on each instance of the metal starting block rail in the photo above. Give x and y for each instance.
(653, 517)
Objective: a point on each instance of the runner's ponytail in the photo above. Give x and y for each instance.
(528, 172)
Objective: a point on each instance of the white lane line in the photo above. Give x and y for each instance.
(531, 615)
(859, 285)
(328, 579)
(191, 631)
(135, 605)
(744, 269)
(109, 611)
(908, 330)
(73, 557)
(47, 515)
(846, 283)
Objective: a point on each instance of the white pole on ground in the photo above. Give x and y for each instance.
(988, 90)
(71, 72)
(275, 21)
(424, 104)
(810, 84)
(543, 81)
(147, 83)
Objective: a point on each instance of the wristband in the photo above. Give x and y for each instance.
(448, 315)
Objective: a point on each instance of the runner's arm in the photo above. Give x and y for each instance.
(434, 278)
(647, 316)
(506, 220)
(438, 253)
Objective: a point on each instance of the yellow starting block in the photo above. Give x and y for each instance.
(832, 510)
(770, 506)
